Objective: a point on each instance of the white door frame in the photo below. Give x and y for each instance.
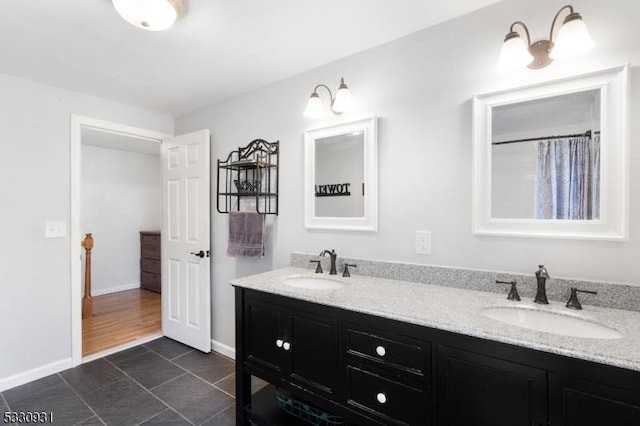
(75, 237)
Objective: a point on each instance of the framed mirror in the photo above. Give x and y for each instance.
(341, 176)
(551, 160)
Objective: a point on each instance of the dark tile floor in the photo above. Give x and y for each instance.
(162, 382)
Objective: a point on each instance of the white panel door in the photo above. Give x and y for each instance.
(186, 289)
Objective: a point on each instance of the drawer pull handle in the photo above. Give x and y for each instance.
(286, 346)
(382, 398)
(279, 343)
(380, 350)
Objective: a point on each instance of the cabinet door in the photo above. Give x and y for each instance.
(264, 334)
(475, 389)
(313, 355)
(579, 402)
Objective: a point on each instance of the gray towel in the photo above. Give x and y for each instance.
(246, 234)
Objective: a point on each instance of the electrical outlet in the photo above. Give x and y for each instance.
(423, 242)
(55, 229)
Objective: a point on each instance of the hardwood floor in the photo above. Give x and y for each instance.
(120, 318)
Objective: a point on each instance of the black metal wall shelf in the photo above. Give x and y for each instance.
(249, 173)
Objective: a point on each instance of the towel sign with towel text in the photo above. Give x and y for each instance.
(333, 190)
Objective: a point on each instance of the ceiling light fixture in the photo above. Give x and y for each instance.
(152, 15)
(572, 39)
(341, 103)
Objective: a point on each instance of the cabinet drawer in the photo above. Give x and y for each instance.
(150, 265)
(408, 355)
(156, 288)
(150, 250)
(149, 278)
(149, 238)
(394, 402)
(150, 281)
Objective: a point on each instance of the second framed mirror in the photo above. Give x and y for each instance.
(551, 160)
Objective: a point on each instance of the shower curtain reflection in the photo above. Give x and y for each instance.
(568, 178)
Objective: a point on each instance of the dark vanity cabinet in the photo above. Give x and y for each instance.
(593, 401)
(374, 371)
(482, 390)
(296, 345)
(489, 383)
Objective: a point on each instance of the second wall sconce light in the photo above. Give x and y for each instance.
(341, 103)
(572, 39)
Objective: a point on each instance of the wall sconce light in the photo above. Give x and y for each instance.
(341, 103)
(572, 39)
(152, 15)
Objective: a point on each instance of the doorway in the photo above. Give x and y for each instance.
(117, 297)
(121, 205)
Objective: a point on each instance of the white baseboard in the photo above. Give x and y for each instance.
(114, 289)
(55, 367)
(35, 374)
(223, 349)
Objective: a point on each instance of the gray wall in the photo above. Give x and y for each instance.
(35, 276)
(421, 87)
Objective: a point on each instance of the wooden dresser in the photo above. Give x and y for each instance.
(150, 267)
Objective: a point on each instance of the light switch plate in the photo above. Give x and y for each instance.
(423, 242)
(55, 230)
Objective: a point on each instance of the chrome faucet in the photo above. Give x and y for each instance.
(541, 276)
(333, 256)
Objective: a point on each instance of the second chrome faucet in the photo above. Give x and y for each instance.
(542, 275)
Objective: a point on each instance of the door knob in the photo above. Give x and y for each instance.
(381, 351)
(201, 254)
(382, 398)
(279, 343)
(286, 346)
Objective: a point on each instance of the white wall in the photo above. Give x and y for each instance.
(35, 275)
(421, 87)
(513, 180)
(121, 196)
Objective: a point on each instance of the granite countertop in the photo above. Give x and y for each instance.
(459, 311)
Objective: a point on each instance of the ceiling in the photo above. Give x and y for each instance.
(219, 49)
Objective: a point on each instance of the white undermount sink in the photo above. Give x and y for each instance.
(314, 283)
(550, 322)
